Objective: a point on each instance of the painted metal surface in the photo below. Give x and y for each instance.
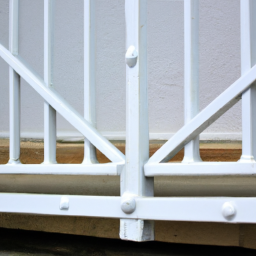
(136, 207)
(89, 77)
(205, 118)
(219, 53)
(64, 169)
(133, 181)
(62, 106)
(49, 111)
(191, 74)
(200, 169)
(248, 59)
(14, 84)
(204, 209)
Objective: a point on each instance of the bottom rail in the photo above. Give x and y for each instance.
(199, 209)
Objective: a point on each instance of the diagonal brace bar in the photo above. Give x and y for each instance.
(62, 106)
(205, 118)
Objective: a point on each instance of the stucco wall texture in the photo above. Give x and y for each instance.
(219, 64)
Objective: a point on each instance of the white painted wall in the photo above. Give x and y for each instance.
(219, 64)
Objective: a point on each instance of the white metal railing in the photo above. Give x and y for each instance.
(136, 207)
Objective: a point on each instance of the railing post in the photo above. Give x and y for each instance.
(14, 85)
(133, 181)
(191, 73)
(248, 59)
(89, 77)
(49, 112)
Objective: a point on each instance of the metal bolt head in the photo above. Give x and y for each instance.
(128, 204)
(131, 56)
(228, 210)
(64, 203)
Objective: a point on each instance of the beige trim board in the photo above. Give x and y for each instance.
(75, 136)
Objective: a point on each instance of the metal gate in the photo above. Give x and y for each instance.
(136, 207)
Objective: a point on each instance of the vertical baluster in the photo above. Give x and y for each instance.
(133, 181)
(89, 76)
(14, 84)
(191, 76)
(49, 112)
(248, 59)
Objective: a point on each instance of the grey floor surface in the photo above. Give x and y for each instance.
(21, 243)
